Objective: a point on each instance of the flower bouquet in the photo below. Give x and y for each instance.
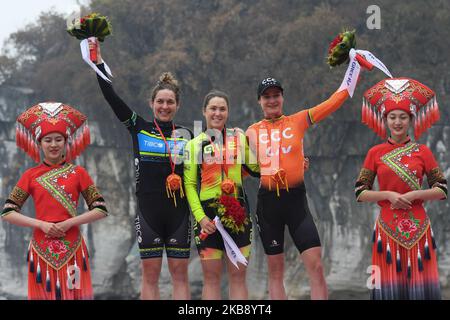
(92, 25)
(339, 50)
(231, 213)
(342, 49)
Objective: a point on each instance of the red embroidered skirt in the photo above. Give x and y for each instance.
(404, 254)
(58, 268)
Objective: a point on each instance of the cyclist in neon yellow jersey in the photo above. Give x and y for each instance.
(214, 161)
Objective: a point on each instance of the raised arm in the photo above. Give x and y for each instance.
(122, 111)
(323, 110)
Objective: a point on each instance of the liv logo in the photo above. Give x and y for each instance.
(374, 280)
(374, 20)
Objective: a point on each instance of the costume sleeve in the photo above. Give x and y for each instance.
(191, 180)
(321, 111)
(91, 195)
(366, 176)
(435, 176)
(18, 195)
(122, 111)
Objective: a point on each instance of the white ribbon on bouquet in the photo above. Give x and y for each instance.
(232, 250)
(353, 70)
(84, 44)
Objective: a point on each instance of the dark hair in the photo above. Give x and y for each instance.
(215, 94)
(167, 81)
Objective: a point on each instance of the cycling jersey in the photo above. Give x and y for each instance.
(203, 163)
(159, 223)
(278, 143)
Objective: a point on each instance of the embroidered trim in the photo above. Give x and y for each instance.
(49, 181)
(11, 206)
(18, 196)
(408, 244)
(102, 211)
(366, 177)
(54, 261)
(90, 194)
(436, 178)
(392, 160)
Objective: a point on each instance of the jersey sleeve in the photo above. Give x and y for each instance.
(122, 111)
(367, 175)
(435, 176)
(321, 111)
(190, 179)
(91, 194)
(18, 195)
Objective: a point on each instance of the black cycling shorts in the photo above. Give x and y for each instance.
(291, 209)
(159, 224)
(212, 247)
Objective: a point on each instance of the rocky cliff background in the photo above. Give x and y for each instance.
(228, 45)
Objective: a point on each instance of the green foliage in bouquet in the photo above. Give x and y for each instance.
(338, 51)
(92, 25)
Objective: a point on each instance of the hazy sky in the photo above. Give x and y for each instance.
(18, 13)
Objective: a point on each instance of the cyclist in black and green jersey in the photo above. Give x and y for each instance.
(161, 222)
(214, 161)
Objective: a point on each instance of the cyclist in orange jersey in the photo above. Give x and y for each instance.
(277, 140)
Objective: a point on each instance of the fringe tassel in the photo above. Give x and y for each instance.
(388, 254)
(374, 233)
(363, 112)
(409, 267)
(419, 259)
(31, 261)
(427, 249)
(433, 242)
(58, 287)
(38, 272)
(379, 244)
(84, 258)
(28, 252)
(399, 261)
(48, 286)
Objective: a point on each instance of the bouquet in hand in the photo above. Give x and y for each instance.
(342, 49)
(231, 213)
(339, 50)
(92, 25)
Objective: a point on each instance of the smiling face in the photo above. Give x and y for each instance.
(398, 122)
(53, 147)
(164, 105)
(216, 113)
(271, 102)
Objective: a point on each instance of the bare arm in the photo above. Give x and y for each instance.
(87, 217)
(397, 200)
(21, 220)
(426, 195)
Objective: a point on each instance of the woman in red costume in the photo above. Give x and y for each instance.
(58, 265)
(404, 264)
